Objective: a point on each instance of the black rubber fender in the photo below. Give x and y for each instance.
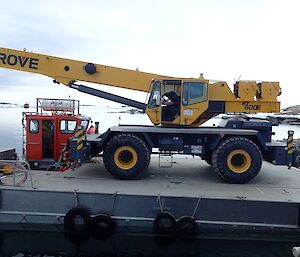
(164, 224)
(102, 226)
(187, 226)
(69, 219)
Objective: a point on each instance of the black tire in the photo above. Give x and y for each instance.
(126, 156)
(187, 227)
(102, 226)
(148, 162)
(164, 224)
(150, 152)
(70, 219)
(237, 160)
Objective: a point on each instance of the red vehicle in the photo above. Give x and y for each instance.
(48, 129)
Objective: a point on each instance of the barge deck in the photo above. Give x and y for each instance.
(265, 208)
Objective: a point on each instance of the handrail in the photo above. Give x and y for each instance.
(18, 169)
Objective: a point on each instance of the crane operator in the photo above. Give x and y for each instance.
(171, 110)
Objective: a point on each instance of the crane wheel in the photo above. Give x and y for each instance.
(126, 156)
(237, 160)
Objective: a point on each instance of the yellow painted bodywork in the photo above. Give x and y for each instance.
(54, 67)
(154, 115)
(268, 91)
(247, 100)
(248, 96)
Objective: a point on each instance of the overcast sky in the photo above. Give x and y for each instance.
(255, 39)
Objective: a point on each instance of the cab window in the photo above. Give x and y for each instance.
(68, 126)
(84, 124)
(194, 92)
(34, 126)
(154, 100)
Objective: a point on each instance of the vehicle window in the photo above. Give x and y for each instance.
(84, 124)
(68, 126)
(63, 125)
(34, 126)
(154, 99)
(71, 125)
(194, 92)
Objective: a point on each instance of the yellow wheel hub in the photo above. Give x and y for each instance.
(239, 161)
(125, 157)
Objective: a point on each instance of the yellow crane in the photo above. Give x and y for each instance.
(235, 149)
(171, 102)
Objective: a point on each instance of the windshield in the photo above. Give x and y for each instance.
(84, 124)
(154, 99)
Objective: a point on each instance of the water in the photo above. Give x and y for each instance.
(36, 243)
(11, 128)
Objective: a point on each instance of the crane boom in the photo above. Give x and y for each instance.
(67, 71)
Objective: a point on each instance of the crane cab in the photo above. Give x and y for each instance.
(177, 102)
(47, 131)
